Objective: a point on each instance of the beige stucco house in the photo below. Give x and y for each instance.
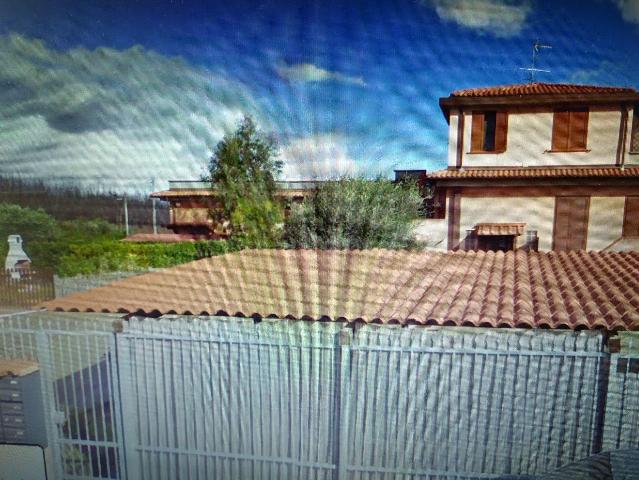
(547, 166)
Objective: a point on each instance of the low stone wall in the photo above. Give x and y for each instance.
(67, 285)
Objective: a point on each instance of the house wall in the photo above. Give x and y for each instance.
(537, 212)
(530, 139)
(606, 221)
(452, 139)
(630, 158)
(191, 216)
(432, 231)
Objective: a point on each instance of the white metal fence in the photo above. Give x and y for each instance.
(79, 390)
(227, 398)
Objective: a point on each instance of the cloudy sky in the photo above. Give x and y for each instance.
(126, 94)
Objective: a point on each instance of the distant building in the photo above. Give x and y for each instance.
(547, 166)
(192, 201)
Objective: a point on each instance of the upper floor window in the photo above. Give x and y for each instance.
(570, 130)
(489, 132)
(634, 132)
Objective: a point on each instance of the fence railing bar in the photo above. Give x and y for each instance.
(557, 353)
(458, 351)
(87, 443)
(179, 338)
(425, 472)
(105, 435)
(49, 400)
(21, 312)
(126, 411)
(95, 406)
(235, 456)
(74, 399)
(344, 394)
(64, 333)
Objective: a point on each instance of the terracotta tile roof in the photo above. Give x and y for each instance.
(624, 244)
(193, 192)
(538, 172)
(206, 192)
(539, 88)
(499, 228)
(522, 289)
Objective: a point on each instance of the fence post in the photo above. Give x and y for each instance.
(128, 416)
(345, 339)
(51, 414)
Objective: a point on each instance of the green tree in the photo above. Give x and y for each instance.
(356, 213)
(33, 225)
(242, 171)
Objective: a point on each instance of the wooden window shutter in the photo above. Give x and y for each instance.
(634, 131)
(477, 132)
(501, 131)
(560, 131)
(578, 130)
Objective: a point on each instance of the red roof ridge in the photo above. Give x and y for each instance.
(582, 171)
(541, 88)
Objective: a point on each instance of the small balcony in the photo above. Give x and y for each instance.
(281, 185)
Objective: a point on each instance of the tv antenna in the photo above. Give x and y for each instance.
(536, 48)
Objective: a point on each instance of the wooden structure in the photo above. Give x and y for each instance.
(191, 204)
(17, 367)
(25, 287)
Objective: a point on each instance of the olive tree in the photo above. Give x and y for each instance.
(356, 213)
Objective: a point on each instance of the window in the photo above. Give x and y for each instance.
(634, 132)
(489, 131)
(570, 130)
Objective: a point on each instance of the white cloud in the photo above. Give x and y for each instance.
(502, 18)
(110, 118)
(307, 72)
(318, 157)
(597, 74)
(629, 10)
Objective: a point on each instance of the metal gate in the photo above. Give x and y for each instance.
(227, 398)
(466, 403)
(79, 390)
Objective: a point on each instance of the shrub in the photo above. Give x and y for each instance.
(84, 247)
(355, 213)
(34, 225)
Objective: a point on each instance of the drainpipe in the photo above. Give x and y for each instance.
(626, 113)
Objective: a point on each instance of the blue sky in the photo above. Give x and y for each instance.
(126, 95)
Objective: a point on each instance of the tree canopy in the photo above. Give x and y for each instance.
(356, 213)
(242, 170)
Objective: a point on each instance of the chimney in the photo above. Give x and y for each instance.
(16, 254)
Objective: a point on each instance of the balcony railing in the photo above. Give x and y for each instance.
(283, 185)
(188, 185)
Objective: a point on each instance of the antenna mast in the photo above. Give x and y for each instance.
(536, 48)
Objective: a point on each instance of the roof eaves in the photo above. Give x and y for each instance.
(554, 100)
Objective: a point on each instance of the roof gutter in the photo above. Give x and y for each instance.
(555, 101)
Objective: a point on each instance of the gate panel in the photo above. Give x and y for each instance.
(622, 405)
(463, 403)
(228, 398)
(75, 357)
(80, 403)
